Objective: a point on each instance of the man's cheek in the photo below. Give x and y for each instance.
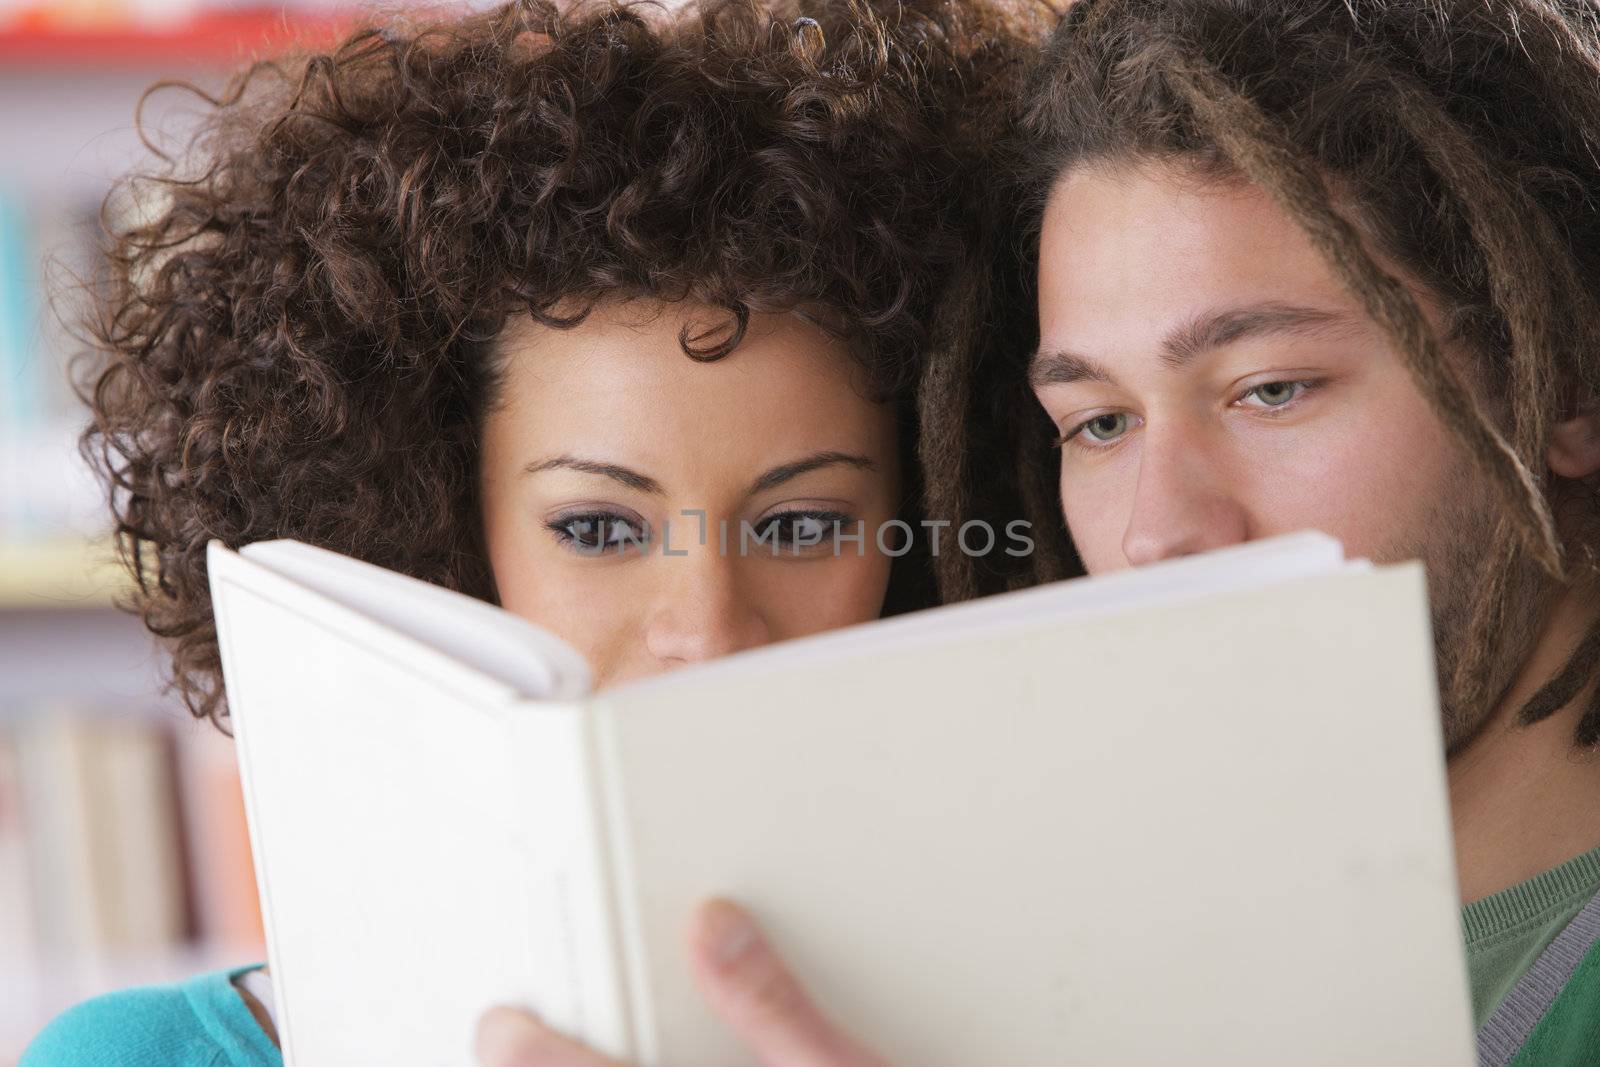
(1364, 488)
(1096, 522)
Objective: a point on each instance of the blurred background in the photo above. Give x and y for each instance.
(124, 855)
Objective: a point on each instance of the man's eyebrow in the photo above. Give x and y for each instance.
(626, 475)
(1217, 329)
(776, 476)
(1204, 333)
(1057, 366)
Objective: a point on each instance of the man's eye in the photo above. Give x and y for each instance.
(1107, 427)
(598, 532)
(1102, 429)
(1276, 394)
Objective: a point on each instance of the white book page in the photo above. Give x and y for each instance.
(504, 646)
(1241, 567)
(415, 826)
(543, 667)
(1213, 833)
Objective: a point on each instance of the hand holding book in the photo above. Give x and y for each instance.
(746, 983)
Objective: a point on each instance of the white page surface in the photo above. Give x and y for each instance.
(1214, 833)
(504, 646)
(1253, 565)
(392, 796)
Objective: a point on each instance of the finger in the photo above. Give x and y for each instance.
(511, 1037)
(752, 991)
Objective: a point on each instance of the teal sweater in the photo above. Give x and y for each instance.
(202, 1022)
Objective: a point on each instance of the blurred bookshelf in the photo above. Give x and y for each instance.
(124, 855)
(124, 858)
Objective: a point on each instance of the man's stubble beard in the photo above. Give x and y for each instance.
(1461, 547)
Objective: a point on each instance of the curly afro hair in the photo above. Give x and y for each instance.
(295, 338)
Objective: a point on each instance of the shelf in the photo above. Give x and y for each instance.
(209, 39)
(60, 574)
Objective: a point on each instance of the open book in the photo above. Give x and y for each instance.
(1193, 813)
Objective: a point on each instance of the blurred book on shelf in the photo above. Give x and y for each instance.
(222, 882)
(124, 858)
(53, 514)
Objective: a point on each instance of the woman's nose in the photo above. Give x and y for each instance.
(702, 610)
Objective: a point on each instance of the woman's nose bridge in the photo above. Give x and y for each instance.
(704, 609)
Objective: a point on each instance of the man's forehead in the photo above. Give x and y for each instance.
(1153, 260)
(1154, 229)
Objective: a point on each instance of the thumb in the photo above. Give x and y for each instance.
(752, 991)
(511, 1037)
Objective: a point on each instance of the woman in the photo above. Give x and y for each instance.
(513, 302)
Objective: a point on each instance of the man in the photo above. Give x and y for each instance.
(1329, 264)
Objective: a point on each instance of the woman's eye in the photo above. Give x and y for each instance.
(600, 532)
(1276, 394)
(801, 529)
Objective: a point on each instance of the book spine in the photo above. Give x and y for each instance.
(137, 839)
(20, 395)
(221, 873)
(20, 392)
(19, 949)
(55, 754)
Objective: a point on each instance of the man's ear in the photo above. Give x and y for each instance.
(1575, 446)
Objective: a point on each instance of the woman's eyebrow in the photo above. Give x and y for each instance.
(626, 475)
(776, 476)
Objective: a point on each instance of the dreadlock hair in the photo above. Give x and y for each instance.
(973, 447)
(295, 338)
(1458, 138)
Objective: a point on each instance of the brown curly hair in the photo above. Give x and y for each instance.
(296, 335)
(1463, 136)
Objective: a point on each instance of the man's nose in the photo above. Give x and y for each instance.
(1182, 503)
(703, 610)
